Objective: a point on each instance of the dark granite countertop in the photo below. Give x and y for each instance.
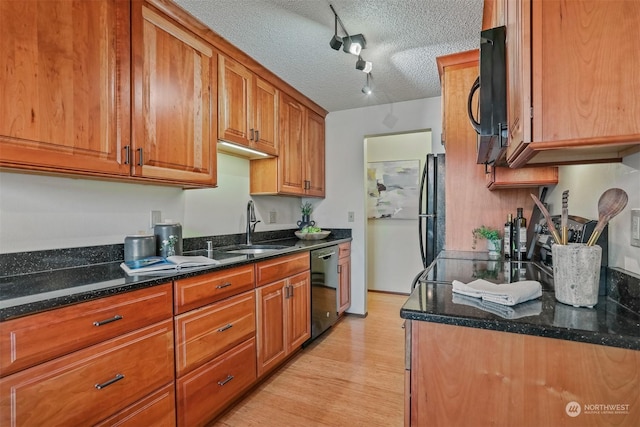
(32, 292)
(608, 323)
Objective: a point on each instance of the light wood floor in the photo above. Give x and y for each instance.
(353, 375)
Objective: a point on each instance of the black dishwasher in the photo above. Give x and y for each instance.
(324, 289)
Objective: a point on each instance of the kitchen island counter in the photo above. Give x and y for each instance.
(608, 323)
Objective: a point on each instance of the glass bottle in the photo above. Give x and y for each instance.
(520, 236)
(508, 235)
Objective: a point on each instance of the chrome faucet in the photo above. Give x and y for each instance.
(251, 221)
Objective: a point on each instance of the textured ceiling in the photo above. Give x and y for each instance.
(291, 38)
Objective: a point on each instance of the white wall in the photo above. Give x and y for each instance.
(585, 184)
(393, 256)
(43, 212)
(345, 173)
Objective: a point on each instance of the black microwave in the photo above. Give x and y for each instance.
(491, 125)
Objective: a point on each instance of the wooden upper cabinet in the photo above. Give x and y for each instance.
(248, 107)
(314, 154)
(265, 117)
(174, 110)
(494, 13)
(582, 79)
(299, 169)
(64, 79)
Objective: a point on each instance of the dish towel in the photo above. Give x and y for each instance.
(525, 309)
(505, 294)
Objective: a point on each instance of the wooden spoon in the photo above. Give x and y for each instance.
(610, 204)
(550, 224)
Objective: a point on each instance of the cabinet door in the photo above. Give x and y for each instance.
(174, 80)
(207, 332)
(265, 117)
(270, 333)
(298, 311)
(518, 51)
(64, 85)
(291, 167)
(235, 95)
(157, 409)
(313, 155)
(205, 392)
(344, 270)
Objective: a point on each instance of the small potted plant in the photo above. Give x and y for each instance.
(491, 235)
(306, 209)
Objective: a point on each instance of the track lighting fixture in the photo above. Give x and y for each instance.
(363, 65)
(367, 89)
(354, 44)
(336, 41)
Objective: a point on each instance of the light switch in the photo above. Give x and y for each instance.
(350, 217)
(635, 227)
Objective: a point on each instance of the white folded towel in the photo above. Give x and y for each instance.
(525, 309)
(505, 294)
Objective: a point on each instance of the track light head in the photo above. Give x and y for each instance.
(354, 44)
(336, 41)
(367, 89)
(363, 65)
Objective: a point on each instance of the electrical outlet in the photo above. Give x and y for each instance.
(272, 217)
(635, 227)
(350, 216)
(156, 217)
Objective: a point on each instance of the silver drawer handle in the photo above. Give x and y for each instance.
(224, 328)
(224, 285)
(118, 377)
(226, 380)
(104, 322)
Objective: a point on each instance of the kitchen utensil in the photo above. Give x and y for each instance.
(611, 203)
(545, 212)
(565, 217)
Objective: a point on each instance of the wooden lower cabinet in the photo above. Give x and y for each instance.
(344, 273)
(203, 393)
(467, 376)
(28, 341)
(90, 385)
(157, 409)
(283, 311)
(207, 332)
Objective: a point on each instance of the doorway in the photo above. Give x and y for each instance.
(392, 249)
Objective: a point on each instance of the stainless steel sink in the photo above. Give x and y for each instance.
(253, 249)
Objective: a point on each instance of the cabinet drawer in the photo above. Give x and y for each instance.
(279, 268)
(34, 339)
(201, 290)
(203, 393)
(79, 389)
(157, 409)
(208, 332)
(344, 250)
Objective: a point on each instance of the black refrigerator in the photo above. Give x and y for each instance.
(431, 209)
